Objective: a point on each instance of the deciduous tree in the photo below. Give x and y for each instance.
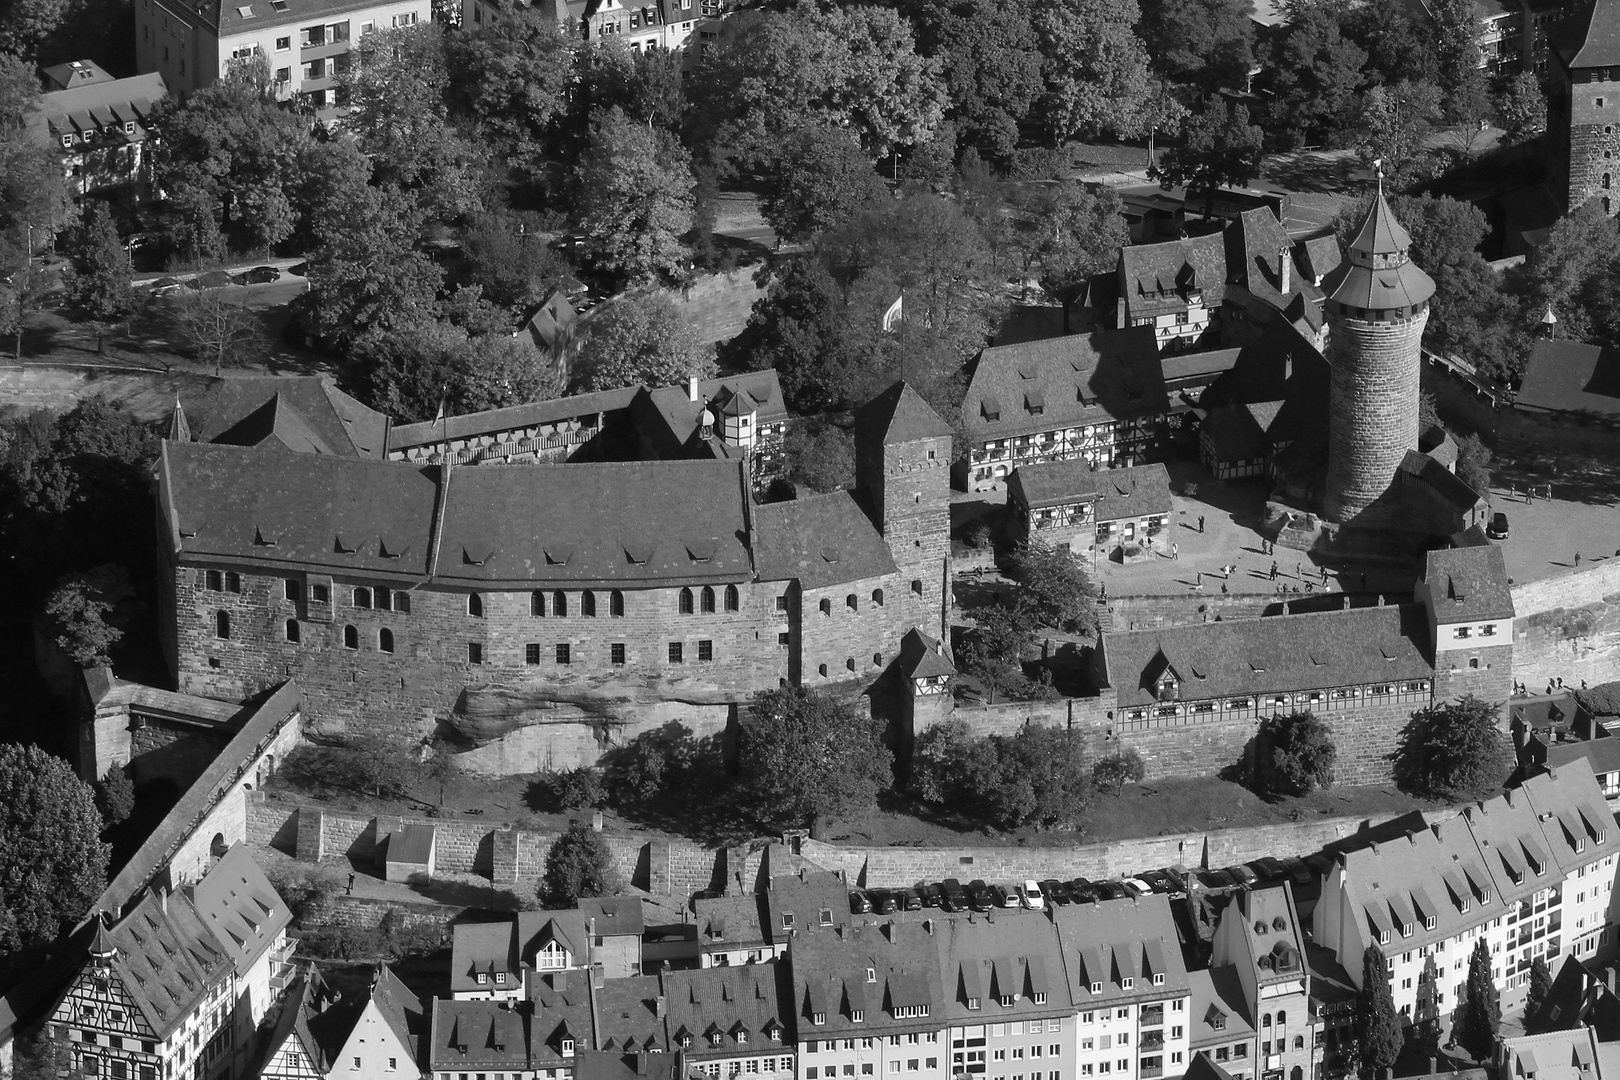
(1474, 463)
(818, 454)
(1053, 588)
(1096, 68)
(1480, 1017)
(1219, 147)
(76, 619)
(1040, 778)
(32, 191)
(510, 75)
(1072, 234)
(52, 861)
(1521, 108)
(115, 796)
(644, 340)
(1207, 44)
(1395, 121)
(1317, 71)
(990, 74)
(1378, 1027)
(993, 650)
(367, 273)
(819, 178)
(638, 183)
(578, 864)
(1453, 750)
(1296, 754)
(1115, 770)
(216, 327)
(811, 755)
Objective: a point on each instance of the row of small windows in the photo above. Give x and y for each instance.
(564, 653)
(541, 604)
(849, 665)
(294, 633)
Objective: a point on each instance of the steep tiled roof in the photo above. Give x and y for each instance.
(1253, 242)
(565, 926)
(554, 318)
(901, 415)
(1318, 256)
(665, 522)
(1450, 487)
(1196, 368)
(1217, 1007)
(240, 907)
(1398, 885)
(810, 899)
(482, 948)
(1114, 940)
(821, 540)
(1060, 382)
(511, 418)
(923, 657)
(399, 1008)
(478, 1034)
(743, 1005)
(1579, 998)
(1279, 653)
(1468, 583)
(89, 107)
(1377, 272)
(1279, 365)
(303, 409)
(166, 959)
(1153, 276)
(830, 979)
(1260, 929)
(1131, 492)
(1234, 434)
(1599, 41)
(613, 915)
(562, 1011)
(299, 1020)
(1202, 1068)
(1552, 1055)
(627, 1015)
(1569, 376)
(1002, 955)
(1573, 815)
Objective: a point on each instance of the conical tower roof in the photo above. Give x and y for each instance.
(1377, 274)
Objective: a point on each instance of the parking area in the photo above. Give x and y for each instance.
(1545, 535)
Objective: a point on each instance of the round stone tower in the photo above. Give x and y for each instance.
(1377, 303)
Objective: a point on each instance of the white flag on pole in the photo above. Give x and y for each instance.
(894, 314)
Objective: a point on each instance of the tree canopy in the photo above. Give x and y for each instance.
(579, 863)
(1206, 44)
(1097, 74)
(1480, 1017)
(53, 864)
(1453, 750)
(1378, 1027)
(1053, 588)
(1219, 147)
(641, 340)
(811, 755)
(1297, 754)
(640, 203)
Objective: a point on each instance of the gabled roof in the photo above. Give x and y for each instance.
(1579, 998)
(1109, 941)
(87, 107)
(1598, 41)
(901, 415)
(923, 657)
(743, 1004)
(1153, 277)
(1079, 379)
(166, 959)
(482, 948)
(1552, 1055)
(627, 1016)
(830, 966)
(820, 541)
(1218, 1010)
(1318, 256)
(240, 907)
(552, 321)
(308, 1000)
(798, 902)
(1450, 487)
(473, 1034)
(1468, 583)
(305, 413)
(671, 420)
(1003, 954)
(1260, 930)
(1275, 654)
(1130, 492)
(611, 916)
(1202, 1068)
(1253, 243)
(565, 926)
(1280, 365)
(725, 923)
(1576, 823)
(562, 1010)
(1570, 376)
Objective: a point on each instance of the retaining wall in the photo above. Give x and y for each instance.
(1568, 626)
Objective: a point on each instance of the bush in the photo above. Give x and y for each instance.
(665, 760)
(1118, 769)
(1296, 755)
(1601, 700)
(1453, 751)
(578, 864)
(115, 796)
(577, 789)
(1036, 777)
(363, 764)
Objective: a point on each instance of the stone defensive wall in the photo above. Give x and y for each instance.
(514, 859)
(1568, 627)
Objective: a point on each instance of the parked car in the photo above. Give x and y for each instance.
(910, 899)
(262, 275)
(1319, 863)
(214, 279)
(1243, 874)
(859, 903)
(979, 898)
(1217, 879)
(1112, 890)
(1137, 885)
(163, 291)
(1161, 881)
(929, 893)
(956, 897)
(1083, 891)
(1297, 870)
(164, 283)
(884, 902)
(1055, 892)
(1498, 528)
(1268, 869)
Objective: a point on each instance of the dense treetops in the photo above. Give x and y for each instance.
(52, 861)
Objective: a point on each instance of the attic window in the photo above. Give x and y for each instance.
(339, 546)
(246, 11)
(278, 5)
(826, 917)
(638, 552)
(262, 540)
(830, 554)
(990, 408)
(477, 556)
(388, 550)
(1027, 371)
(558, 555)
(1096, 988)
(701, 550)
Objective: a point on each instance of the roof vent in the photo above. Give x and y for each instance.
(700, 550)
(260, 539)
(829, 553)
(638, 551)
(343, 547)
(477, 556)
(559, 554)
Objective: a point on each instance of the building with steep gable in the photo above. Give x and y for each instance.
(1259, 944)
(403, 595)
(372, 1035)
(727, 1021)
(498, 961)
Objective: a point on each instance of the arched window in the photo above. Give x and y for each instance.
(402, 603)
(686, 601)
(213, 581)
(877, 597)
(1473, 661)
(222, 625)
(708, 600)
(1604, 182)
(233, 580)
(559, 604)
(587, 603)
(826, 606)
(616, 604)
(916, 586)
(294, 634)
(852, 603)
(475, 605)
(733, 601)
(537, 604)
(383, 598)
(823, 671)
(362, 598)
(850, 663)
(1266, 1022)
(1282, 1018)
(351, 638)
(385, 640)
(1299, 1043)
(877, 659)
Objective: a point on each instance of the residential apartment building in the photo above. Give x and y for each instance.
(99, 127)
(303, 44)
(1530, 872)
(677, 26)
(1259, 948)
(727, 1021)
(867, 1002)
(371, 1035)
(1097, 398)
(177, 985)
(498, 961)
(1008, 1004)
(1129, 988)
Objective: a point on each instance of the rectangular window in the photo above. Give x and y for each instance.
(676, 653)
(616, 653)
(531, 654)
(705, 651)
(475, 653)
(563, 653)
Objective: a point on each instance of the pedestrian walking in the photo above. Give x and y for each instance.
(1513, 491)
(1175, 550)
(1200, 523)
(1310, 586)
(1273, 569)
(1577, 558)
(350, 889)
(1560, 682)
(1324, 575)
(1299, 570)
(1224, 590)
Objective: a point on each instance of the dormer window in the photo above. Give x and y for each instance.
(825, 917)
(686, 1040)
(1006, 1001)
(856, 1016)
(482, 978)
(774, 1034)
(1096, 988)
(1039, 997)
(742, 1036)
(787, 920)
(973, 1003)
(1407, 929)
(1126, 983)
(1383, 937)
(568, 1048)
(818, 1018)
(716, 1039)
(500, 978)
(1158, 980)
(871, 975)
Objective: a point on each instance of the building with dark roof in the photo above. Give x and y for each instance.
(1219, 1029)
(1584, 104)
(1264, 279)
(303, 413)
(304, 44)
(1571, 381)
(1069, 504)
(1095, 397)
(630, 1015)
(99, 127)
(727, 1021)
(1531, 871)
(368, 1035)
(490, 1036)
(1259, 946)
(1582, 996)
(496, 961)
(1176, 288)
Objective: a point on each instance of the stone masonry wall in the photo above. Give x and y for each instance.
(681, 867)
(1569, 627)
(1373, 421)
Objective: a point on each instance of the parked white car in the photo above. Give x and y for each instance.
(1030, 893)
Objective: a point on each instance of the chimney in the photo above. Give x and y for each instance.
(692, 389)
(1285, 265)
(928, 927)
(660, 1006)
(1288, 361)
(163, 899)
